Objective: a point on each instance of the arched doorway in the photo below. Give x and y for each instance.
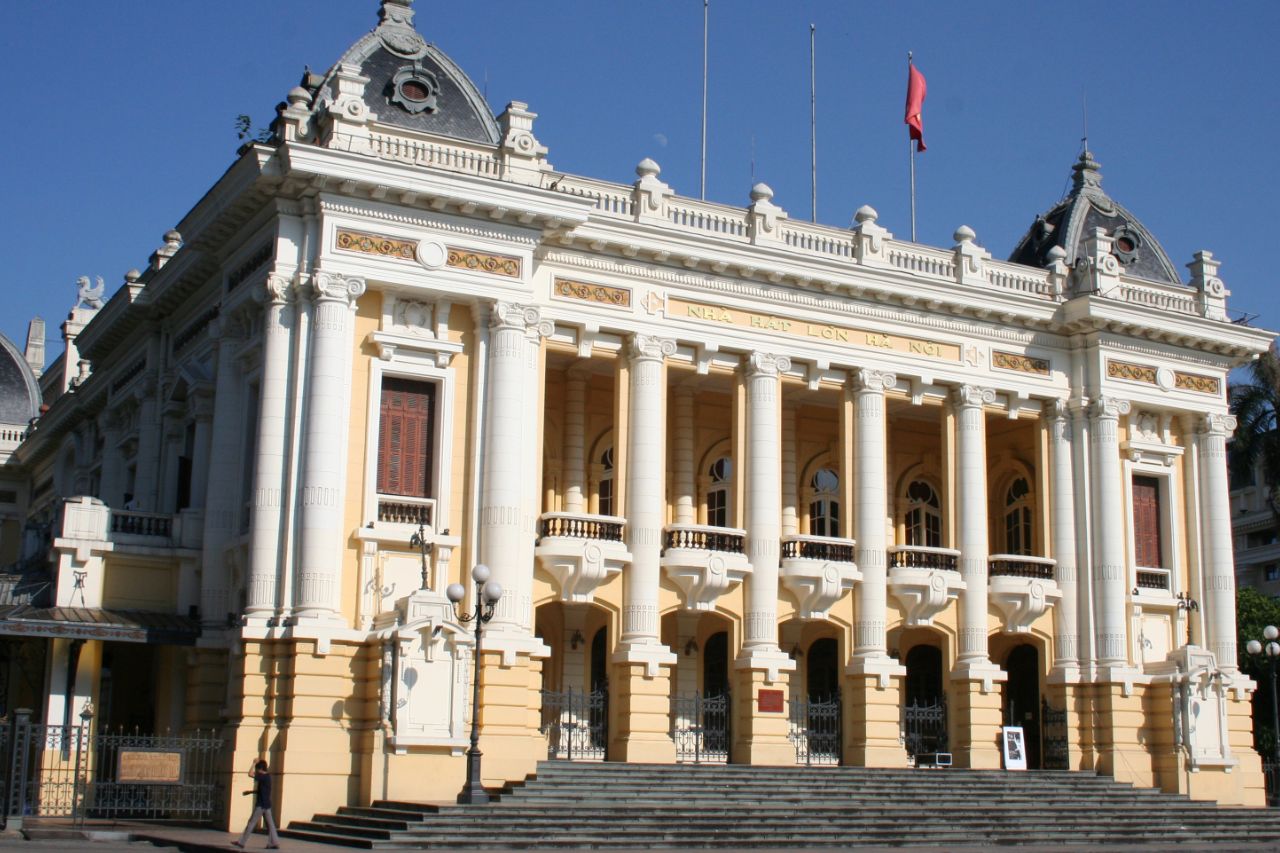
(925, 705)
(715, 665)
(1022, 698)
(822, 670)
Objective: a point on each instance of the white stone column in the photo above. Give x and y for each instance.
(1109, 522)
(511, 424)
(1219, 560)
(111, 487)
(869, 510)
(763, 472)
(685, 484)
(790, 493)
(265, 530)
(317, 594)
(221, 497)
(1063, 532)
(146, 481)
(201, 407)
(971, 523)
(575, 469)
(646, 496)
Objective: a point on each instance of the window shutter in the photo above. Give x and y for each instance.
(405, 433)
(1146, 522)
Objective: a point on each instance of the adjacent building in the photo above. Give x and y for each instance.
(757, 490)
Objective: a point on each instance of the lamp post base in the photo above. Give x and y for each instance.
(473, 792)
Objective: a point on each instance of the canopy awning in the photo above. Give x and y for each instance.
(92, 623)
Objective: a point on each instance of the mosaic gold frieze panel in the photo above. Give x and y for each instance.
(377, 244)
(465, 259)
(1020, 363)
(1132, 372)
(1200, 384)
(599, 294)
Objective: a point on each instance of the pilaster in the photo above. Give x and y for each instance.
(1109, 570)
(1219, 559)
(1063, 542)
(221, 516)
(870, 422)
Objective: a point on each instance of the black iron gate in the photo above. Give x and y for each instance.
(576, 724)
(815, 730)
(700, 727)
(924, 730)
(1053, 735)
(57, 771)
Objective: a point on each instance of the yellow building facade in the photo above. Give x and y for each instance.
(756, 490)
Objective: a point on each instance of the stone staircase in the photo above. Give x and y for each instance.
(618, 806)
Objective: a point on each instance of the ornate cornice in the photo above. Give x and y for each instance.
(428, 222)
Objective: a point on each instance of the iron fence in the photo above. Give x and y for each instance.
(700, 727)
(1271, 776)
(575, 723)
(73, 771)
(1053, 735)
(924, 728)
(815, 730)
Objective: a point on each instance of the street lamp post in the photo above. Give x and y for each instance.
(1272, 650)
(487, 594)
(1187, 605)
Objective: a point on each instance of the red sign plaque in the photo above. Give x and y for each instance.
(770, 701)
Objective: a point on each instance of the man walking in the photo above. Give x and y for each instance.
(261, 806)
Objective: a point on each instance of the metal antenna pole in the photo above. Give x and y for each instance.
(813, 126)
(705, 18)
(912, 150)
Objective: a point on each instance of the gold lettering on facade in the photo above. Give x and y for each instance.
(789, 327)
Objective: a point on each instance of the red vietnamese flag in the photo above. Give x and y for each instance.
(915, 101)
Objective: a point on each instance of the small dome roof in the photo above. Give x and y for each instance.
(412, 84)
(19, 393)
(1074, 218)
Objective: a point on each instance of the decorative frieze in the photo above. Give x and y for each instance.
(1021, 363)
(1199, 384)
(376, 244)
(600, 294)
(1130, 371)
(465, 259)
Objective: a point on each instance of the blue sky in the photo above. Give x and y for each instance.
(120, 115)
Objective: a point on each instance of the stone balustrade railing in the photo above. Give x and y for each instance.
(604, 528)
(702, 537)
(923, 557)
(1020, 566)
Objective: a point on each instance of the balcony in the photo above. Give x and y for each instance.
(818, 571)
(403, 509)
(925, 580)
(704, 562)
(1154, 580)
(581, 551)
(1022, 588)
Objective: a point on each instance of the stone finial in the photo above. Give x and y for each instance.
(298, 97)
(1210, 290)
(868, 246)
(970, 257)
(172, 243)
(964, 234)
(866, 213)
(763, 215)
(133, 275)
(648, 168)
(523, 157)
(1056, 263)
(650, 191)
(761, 192)
(1085, 172)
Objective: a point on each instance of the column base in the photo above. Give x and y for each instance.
(873, 713)
(643, 711)
(978, 715)
(761, 737)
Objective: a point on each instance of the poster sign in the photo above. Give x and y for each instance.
(1015, 748)
(150, 766)
(771, 701)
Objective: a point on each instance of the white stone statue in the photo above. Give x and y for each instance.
(90, 297)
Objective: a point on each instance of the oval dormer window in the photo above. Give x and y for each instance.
(415, 89)
(1125, 244)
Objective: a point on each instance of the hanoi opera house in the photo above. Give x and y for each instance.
(757, 490)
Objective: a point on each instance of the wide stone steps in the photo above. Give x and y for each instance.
(619, 806)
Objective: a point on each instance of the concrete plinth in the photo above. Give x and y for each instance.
(760, 737)
(642, 719)
(872, 721)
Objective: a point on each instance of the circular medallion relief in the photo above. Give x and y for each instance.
(431, 254)
(1164, 378)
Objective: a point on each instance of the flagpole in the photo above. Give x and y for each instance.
(912, 154)
(813, 127)
(705, 16)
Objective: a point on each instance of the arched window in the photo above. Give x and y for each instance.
(606, 482)
(1017, 517)
(824, 509)
(924, 515)
(721, 474)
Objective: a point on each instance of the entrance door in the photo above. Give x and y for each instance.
(823, 670)
(715, 665)
(1022, 698)
(925, 710)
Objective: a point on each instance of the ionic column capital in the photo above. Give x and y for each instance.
(1217, 425)
(277, 290)
(872, 381)
(766, 364)
(972, 396)
(337, 288)
(650, 348)
(510, 316)
(1108, 408)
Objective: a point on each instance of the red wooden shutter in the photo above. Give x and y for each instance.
(405, 433)
(1146, 522)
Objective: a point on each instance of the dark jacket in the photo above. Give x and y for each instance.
(262, 789)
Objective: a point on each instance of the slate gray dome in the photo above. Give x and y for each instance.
(412, 84)
(1088, 207)
(19, 393)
